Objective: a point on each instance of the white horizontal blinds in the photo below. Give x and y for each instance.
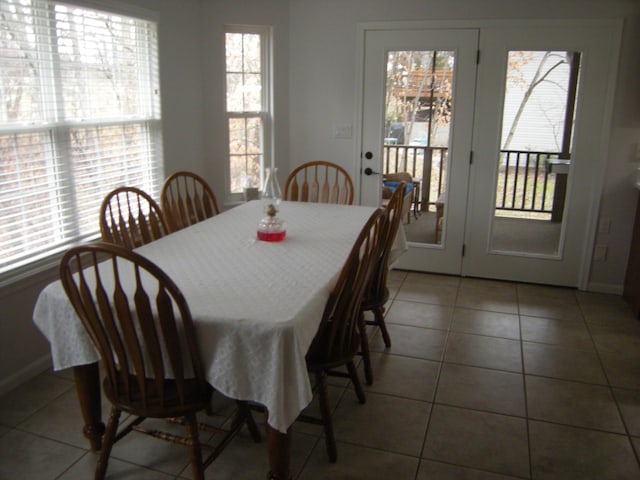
(79, 116)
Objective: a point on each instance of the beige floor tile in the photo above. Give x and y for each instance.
(563, 363)
(395, 278)
(388, 423)
(551, 331)
(22, 402)
(482, 351)
(358, 463)
(404, 376)
(629, 403)
(494, 324)
(441, 471)
(27, 456)
(490, 287)
(622, 369)
(61, 420)
(621, 337)
(572, 403)
(569, 453)
(480, 440)
(425, 343)
(116, 470)
(604, 308)
(481, 389)
(153, 453)
(441, 293)
(243, 458)
(549, 307)
(558, 293)
(635, 441)
(420, 315)
(432, 279)
(488, 295)
(313, 411)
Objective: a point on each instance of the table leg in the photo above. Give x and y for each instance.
(279, 451)
(87, 379)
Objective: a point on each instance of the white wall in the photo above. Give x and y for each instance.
(323, 89)
(217, 14)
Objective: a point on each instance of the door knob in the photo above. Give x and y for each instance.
(369, 171)
(368, 155)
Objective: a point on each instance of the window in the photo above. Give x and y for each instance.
(248, 105)
(79, 116)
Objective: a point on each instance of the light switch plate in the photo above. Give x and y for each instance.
(343, 131)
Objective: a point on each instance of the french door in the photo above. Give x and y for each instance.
(417, 49)
(510, 123)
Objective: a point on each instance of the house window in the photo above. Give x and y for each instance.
(79, 116)
(248, 105)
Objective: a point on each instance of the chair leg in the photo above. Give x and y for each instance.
(355, 380)
(245, 413)
(107, 443)
(325, 411)
(364, 349)
(193, 442)
(379, 314)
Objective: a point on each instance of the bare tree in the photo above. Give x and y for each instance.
(549, 62)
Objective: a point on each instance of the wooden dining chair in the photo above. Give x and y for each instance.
(130, 217)
(337, 340)
(319, 182)
(186, 198)
(376, 293)
(141, 326)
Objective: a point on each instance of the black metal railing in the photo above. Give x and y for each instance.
(525, 183)
(427, 165)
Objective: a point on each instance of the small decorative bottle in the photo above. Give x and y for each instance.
(271, 228)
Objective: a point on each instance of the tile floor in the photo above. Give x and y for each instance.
(485, 380)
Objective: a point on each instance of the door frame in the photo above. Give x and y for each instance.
(593, 208)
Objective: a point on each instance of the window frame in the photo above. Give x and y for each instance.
(265, 115)
(58, 130)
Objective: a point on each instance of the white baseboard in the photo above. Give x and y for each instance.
(24, 374)
(605, 288)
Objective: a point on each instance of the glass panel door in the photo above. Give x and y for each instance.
(535, 153)
(541, 110)
(418, 100)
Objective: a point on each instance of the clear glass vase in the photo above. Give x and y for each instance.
(271, 228)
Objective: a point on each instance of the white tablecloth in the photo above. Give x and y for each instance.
(256, 305)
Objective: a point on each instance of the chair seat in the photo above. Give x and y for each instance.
(321, 363)
(194, 398)
(371, 301)
(393, 185)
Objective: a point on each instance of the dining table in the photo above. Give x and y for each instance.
(256, 306)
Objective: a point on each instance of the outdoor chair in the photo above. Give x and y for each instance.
(390, 181)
